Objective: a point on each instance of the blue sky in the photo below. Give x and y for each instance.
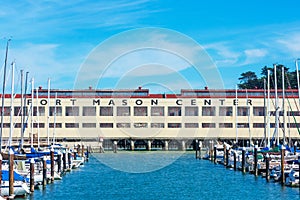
(54, 38)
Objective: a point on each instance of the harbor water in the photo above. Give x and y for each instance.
(159, 175)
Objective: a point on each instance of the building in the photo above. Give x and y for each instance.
(138, 114)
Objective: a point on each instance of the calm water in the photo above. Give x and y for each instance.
(170, 176)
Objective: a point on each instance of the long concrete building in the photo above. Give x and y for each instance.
(137, 114)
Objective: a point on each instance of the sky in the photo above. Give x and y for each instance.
(68, 42)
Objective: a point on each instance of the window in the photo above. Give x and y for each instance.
(174, 111)
(18, 125)
(225, 125)
(123, 125)
(88, 111)
(273, 113)
(41, 125)
(273, 125)
(208, 125)
(242, 125)
(225, 111)
(106, 111)
(293, 125)
(208, 111)
(157, 125)
(243, 111)
(6, 111)
(58, 111)
(123, 111)
(191, 125)
(88, 125)
(72, 111)
(41, 111)
(191, 111)
(174, 125)
(106, 125)
(57, 125)
(293, 113)
(6, 125)
(258, 111)
(258, 125)
(140, 125)
(17, 111)
(72, 125)
(157, 111)
(140, 111)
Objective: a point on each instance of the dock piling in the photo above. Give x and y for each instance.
(227, 156)
(64, 161)
(52, 164)
(11, 173)
(243, 160)
(31, 187)
(267, 167)
(234, 160)
(44, 171)
(58, 162)
(255, 161)
(69, 159)
(282, 164)
(215, 154)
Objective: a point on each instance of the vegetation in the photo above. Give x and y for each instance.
(249, 79)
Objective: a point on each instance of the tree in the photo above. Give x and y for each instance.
(248, 80)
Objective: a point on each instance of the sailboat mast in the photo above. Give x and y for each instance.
(283, 101)
(248, 113)
(31, 124)
(21, 113)
(276, 106)
(265, 115)
(48, 117)
(11, 106)
(38, 117)
(54, 124)
(236, 114)
(298, 84)
(268, 110)
(26, 111)
(3, 93)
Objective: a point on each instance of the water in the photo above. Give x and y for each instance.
(182, 177)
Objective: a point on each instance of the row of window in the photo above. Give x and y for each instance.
(143, 111)
(152, 125)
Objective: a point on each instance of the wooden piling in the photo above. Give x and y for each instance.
(255, 161)
(31, 187)
(211, 151)
(215, 154)
(58, 162)
(234, 160)
(243, 160)
(282, 164)
(44, 171)
(196, 149)
(82, 151)
(115, 146)
(52, 164)
(75, 155)
(200, 149)
(11, 173)
(69, 160)
(227, 156)
(224, 155)
(64, 161)
(267, 157)
(87, 153)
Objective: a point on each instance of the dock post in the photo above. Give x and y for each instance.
(11, 173)
(196, 149)
(52, 164)
(234, 160)
(211, 151)
(75, 155)
(149, 145)
(69, 159)
(227, 156)
(267, 167)
(200, 148)
(44, 171)
(31, 187)
(224, 155)
(58, 162)
(183, 146)
(215, 154)
(282, 164)
(131, 145)
(255, 161)
(82, 151)
(0, 172)
(77, 152)
(64, 161)
(87, 153)
(115, 146)
(243, 160)
(166, 145)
